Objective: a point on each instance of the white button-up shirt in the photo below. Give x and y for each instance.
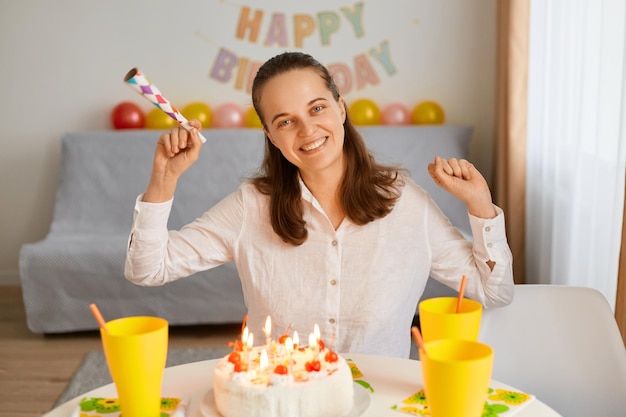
(358, 283)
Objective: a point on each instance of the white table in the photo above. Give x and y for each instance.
(393, 379)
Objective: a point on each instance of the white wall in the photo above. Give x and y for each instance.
(62, 64)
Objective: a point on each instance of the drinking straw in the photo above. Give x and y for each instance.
(138, 81)
(98, 316)
(417, 336)
(461, 291)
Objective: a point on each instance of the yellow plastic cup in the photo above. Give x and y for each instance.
(456, 376)
(136, 352)
(439, 319)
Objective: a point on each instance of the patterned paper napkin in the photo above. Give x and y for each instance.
(110, 407)
(500, 401)
(357, 376)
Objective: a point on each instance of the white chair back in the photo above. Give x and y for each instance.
(561, 344)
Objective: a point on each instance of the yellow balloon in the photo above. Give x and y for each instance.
(252, 119)
(364, 112)
(199, 111)
(158, 119)
(428, 113)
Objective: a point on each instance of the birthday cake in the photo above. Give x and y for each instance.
(278, 380)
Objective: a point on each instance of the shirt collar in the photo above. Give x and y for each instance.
(308, 196)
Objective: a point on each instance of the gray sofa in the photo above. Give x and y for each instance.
(81, 260)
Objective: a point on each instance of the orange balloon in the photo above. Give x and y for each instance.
(251, 119)
(428, 113)
(199, 111)
(364, 112)
(158, 119)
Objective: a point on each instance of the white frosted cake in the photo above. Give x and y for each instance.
(275, 381)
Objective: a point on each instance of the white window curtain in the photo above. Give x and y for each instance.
(576, 143)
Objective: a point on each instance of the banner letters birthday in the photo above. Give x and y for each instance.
(364, 69)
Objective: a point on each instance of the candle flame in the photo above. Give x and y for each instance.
(250, 340)
(296, 339)
(244, 336)
(289, 345)
(268, 326)
(316, 332)
(264, 363)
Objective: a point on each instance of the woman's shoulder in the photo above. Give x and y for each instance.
(245, 200)
(248, 193)
(407, 183)
(411, 192)
(247, 186)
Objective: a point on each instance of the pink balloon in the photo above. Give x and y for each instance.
(396, 114)
(228, 115)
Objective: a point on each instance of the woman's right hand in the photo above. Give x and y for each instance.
(175, 152)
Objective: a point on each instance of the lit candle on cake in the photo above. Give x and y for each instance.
(268, 333)
(244, 341)
(267, 329)
(244, 336)
(264, 361)
(314, 364)
(263, 367)
(318, 340)
(313, 344)
(289, 348)
(250, 344)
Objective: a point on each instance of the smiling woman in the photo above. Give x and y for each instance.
(306, 126)
(310, 136)
(304, 233)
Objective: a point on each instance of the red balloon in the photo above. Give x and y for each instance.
(127, 115)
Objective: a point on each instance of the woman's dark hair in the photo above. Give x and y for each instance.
(368, 190)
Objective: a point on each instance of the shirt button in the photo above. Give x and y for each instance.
(333, 282)
(489, 245)
(334, 243)
(487, 229)
(331, 321)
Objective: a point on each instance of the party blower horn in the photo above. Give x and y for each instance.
(138, 81)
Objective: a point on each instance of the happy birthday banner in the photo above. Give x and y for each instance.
(365, 68)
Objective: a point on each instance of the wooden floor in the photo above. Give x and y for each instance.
(34, 369)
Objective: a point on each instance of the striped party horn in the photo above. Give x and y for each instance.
(138, 81)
